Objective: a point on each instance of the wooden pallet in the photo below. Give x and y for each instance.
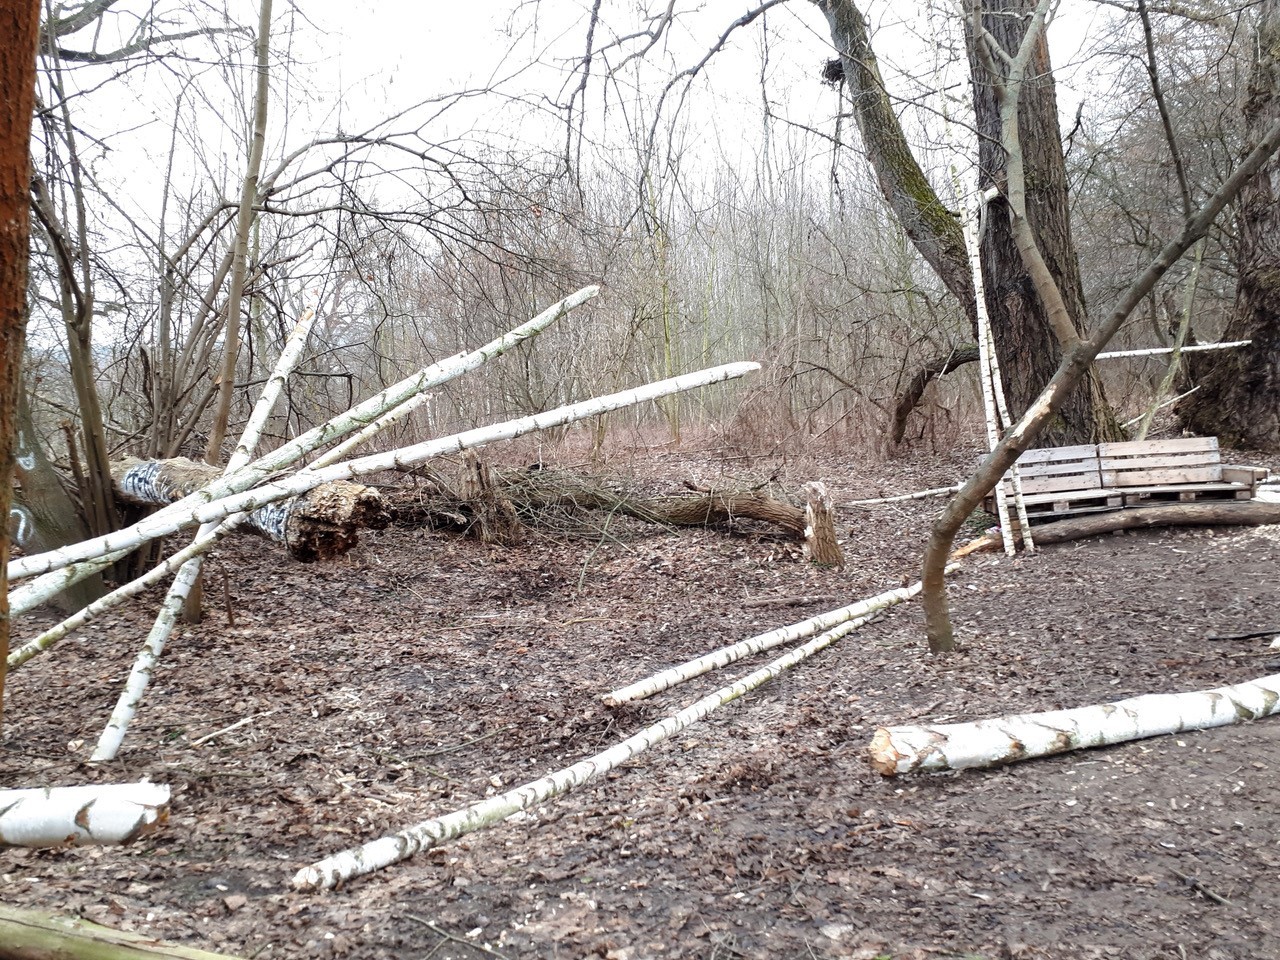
(1061, 481)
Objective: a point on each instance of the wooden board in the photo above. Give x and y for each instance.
(1116, 479)
(1148, 448)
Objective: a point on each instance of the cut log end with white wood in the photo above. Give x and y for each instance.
(81, 816)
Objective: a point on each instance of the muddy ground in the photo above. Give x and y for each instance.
(425, 671)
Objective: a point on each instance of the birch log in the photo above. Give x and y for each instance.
(320, 524)
(27, 935)
(81, 816)
(400, 846)
(987, 743)
(198, 508)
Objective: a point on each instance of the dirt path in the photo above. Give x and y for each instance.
(424, 672)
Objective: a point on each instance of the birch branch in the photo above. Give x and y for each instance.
(81, 816)
(1159, 351)
(985, 743)
(50, 637)
(171, 520)
(376, 854)
(859, 613)
(340, 426)
(918, 495)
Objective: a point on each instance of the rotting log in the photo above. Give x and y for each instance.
(1247, 513)
(537, 495)
(28, 935)
(320, 524)
(1001, 740)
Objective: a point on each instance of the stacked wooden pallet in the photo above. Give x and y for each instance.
(1062, 481)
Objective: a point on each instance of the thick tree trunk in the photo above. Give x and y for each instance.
(1028, 350)
(20, 22)
(1239, 395)
(47, 517)
(318, 525)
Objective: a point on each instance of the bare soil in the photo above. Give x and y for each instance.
(425, 671)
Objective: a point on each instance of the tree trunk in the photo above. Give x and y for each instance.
(47, 517)
(1028, 350)
(321, 524)
(1239, 395)
(908, 397)
(20, 22)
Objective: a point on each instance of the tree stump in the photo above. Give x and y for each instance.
(820, 545)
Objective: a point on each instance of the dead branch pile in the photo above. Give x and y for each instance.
(494, 505)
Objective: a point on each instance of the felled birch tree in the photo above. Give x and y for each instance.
(81, 816)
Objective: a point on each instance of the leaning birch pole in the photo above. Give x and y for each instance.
(188, 574)
(196, 510)
(986, 743)
(81, 816)
(353, 419)
(858, 613)
(331, 871)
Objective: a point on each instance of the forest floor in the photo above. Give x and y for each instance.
(425, 671)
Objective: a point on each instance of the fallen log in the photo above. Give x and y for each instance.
(27, 935)
(484, 498)
(81, 816)
(320, 524)
(1248, 513)
(988, 743)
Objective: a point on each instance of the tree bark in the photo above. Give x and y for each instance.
(20, 22)
(244, 221)
(1239, 396)
(48, 518)
(1026, 344)
(321, 524)
(932, 228)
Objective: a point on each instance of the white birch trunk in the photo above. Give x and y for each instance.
(376, 854)
(854, 615)
(197, 509)
(289, 453)
(80, 816)
(986, 743)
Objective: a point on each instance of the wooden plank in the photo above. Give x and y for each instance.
(1084, 467)
(1050, 454)
(1092, 482)
(1141, 447)
(1151, 478)
(1159, 462)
